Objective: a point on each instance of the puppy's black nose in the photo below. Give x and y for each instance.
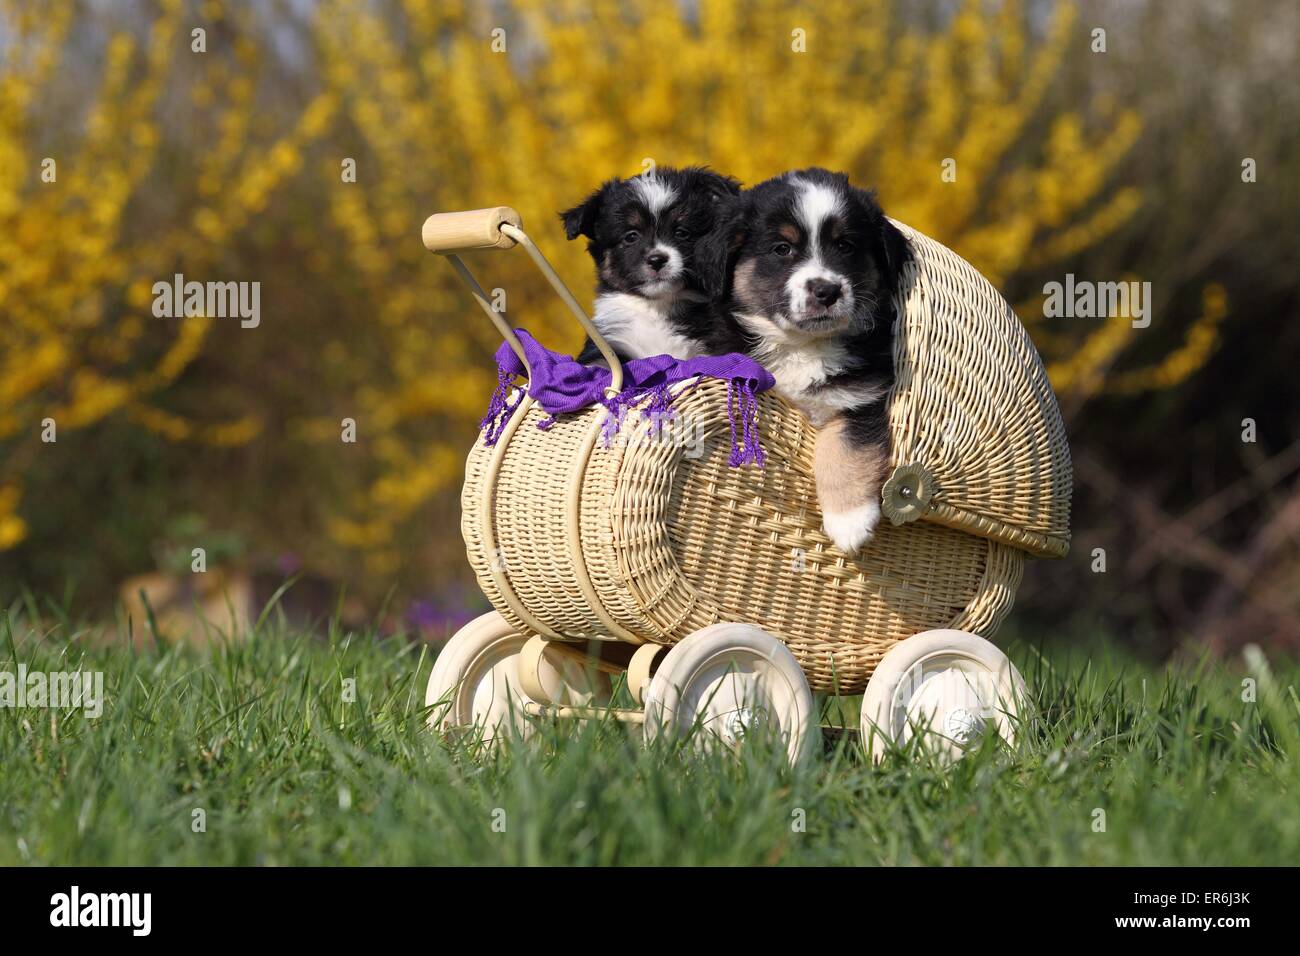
(656, 260)
(824, 291)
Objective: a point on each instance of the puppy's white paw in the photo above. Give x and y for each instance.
(850, 530)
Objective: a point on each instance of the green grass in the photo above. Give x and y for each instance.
(257, 736)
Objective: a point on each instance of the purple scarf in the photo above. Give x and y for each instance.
(561, 385)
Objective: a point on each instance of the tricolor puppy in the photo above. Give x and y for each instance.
(806, 267)
(642, 232)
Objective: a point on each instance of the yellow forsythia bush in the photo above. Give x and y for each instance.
(78, 343)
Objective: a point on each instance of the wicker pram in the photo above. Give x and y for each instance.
(616, 552)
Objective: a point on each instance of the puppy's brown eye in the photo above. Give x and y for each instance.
(845, 247)
(682, 233)
(782, 249)
(631, 237)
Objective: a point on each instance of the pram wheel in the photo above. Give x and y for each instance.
(727, 682)
(950, 685)
(475, 684)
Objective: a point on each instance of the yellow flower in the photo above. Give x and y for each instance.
(12, 531)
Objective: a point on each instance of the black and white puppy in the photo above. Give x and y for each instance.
(642, 233)
(806, 267)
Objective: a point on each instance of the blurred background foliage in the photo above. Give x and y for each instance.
(235, 163)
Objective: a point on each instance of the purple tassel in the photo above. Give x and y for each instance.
(748, 449)
(614, 419)
(499, 408)
(659, 410)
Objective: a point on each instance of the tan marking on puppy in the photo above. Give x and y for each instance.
(742, 283)
(789, 233)
(849, 477)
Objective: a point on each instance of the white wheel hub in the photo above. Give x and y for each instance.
(963, 726)
(732, 696)
(946, 697)
(741, 722)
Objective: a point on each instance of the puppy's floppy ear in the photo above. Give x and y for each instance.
(898, 252)
(715, 185)
(894, 247)
(723, 187)
(581, 219)
(715, 253)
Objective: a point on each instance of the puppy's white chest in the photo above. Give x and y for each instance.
(800, 374)
(639, 327)
(802, 367)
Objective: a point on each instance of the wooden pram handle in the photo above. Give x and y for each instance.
(500, 227)
(449, 232)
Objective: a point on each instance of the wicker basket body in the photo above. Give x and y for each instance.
(654, 536)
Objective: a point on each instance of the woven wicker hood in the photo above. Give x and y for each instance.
(978, 442)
